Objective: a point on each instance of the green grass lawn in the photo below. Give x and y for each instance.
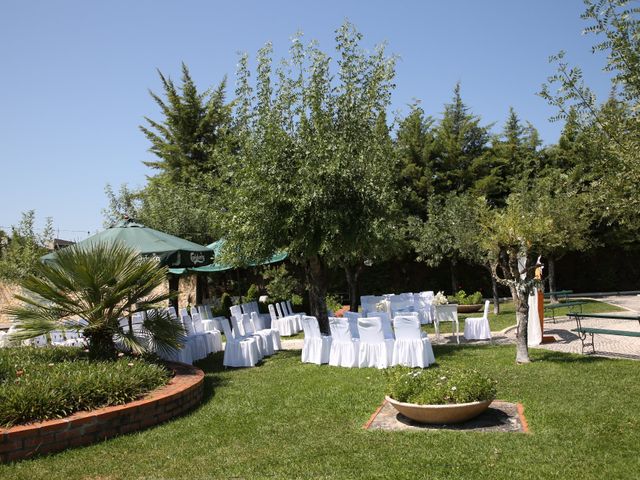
(285, 419)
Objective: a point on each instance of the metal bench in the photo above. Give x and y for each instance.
(570, 305)
(584, 331)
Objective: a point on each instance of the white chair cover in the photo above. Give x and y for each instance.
(213, 336)
(344, 348)
(353, 317)
(374, 350)
(425, 306)
(238, 352)
(447, 313)
(258, 326)
(402, 303)
(477, 328)
(198, 344)
(297, 319)
(316, 347)
(265, 342)
(387, 330)
(286, 326)
(412, 347)
(368, 303)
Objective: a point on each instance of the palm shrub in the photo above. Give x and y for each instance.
(89, 289)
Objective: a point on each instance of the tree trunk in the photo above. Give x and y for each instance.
(494, 291)
(551, 263)
(454, 277)
(520, 300)
(317, 275)
(353, 282)
(101, 344)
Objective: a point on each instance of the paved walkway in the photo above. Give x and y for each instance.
(614, 346)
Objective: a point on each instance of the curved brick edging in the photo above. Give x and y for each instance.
(181, 394)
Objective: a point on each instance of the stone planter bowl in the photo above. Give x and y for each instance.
(451, 413)
(470, 308)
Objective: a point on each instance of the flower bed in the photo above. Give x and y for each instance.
(39, 384)
(183, 393)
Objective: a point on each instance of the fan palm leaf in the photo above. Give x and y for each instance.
(89, 289)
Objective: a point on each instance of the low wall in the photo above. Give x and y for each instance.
(183, 393)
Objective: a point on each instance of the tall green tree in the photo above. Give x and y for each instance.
(414, 146)
(21, 251)
(194, 133)
(461, 148)
(315, 174)
(612, 125)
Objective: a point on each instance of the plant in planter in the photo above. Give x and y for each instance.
(439, 395)
(466, 303)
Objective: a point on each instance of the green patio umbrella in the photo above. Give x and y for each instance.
(171, 251)
(221, 267)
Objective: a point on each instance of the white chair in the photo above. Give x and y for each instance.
(209, 323)
(477, 328)
(387, 330)
(286, 326)
(401, 304)
(424, 305)
(290, 309)
(258, 326)
(353, 317)
(283, 312)
(412, 347)
(214, 337)
(447, 313)
(368, 303)
(263, 338)
(316, 347)
(238, 352)
(344, 348)
(239, 334)
(375, 350)
(196, 342)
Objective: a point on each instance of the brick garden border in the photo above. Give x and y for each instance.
(183, 393)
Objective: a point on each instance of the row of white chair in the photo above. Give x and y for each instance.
(400, 304)
(410, 347)
(249, 341)
(284, 320)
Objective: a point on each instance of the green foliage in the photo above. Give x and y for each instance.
(611, 127)
(333, 303)
(281, 285)
(414, 147)
(312, 143)
(253, 293)
(124, 203)
(439, 386)
(461, 148)
(225, 305)
(461, 298)
(20, 253)
(39, 384)
(100, 284)
(194, 133)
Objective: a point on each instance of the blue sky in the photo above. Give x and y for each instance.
(75, 76)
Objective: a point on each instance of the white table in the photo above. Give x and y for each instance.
(447, 313)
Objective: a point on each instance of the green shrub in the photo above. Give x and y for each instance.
(332, 303)
(45, 383)
(252, 293)
(225, 304)
(461, 298)
(438, 386)
(282, 286)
